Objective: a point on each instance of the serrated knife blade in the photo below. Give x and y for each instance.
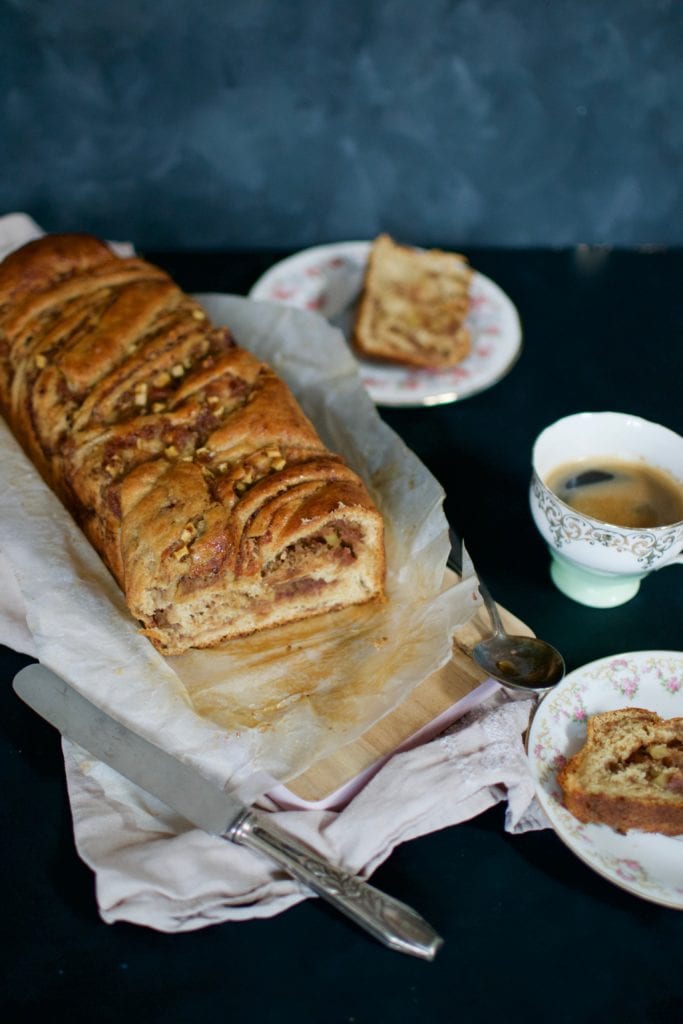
(219, 813)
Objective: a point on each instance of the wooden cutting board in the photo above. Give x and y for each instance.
(431, 698)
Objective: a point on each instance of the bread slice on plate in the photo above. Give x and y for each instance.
(413, 306)
(629, 773)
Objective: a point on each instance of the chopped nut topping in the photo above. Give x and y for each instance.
(244, 477)
(181, 553)
(158, 406)
(273, 453)
(162, 379)
(41, 361)
(199, 314)
(141, 394)
(204, 454)
(212, 400)
(279, 463)
(148, 444)
(188, 534)
(177, 370)
(222, 467)
(171, 452)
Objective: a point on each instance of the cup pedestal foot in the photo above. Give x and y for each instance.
(595, 589)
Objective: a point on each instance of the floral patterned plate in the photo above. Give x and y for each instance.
(648, 865)
(328, 280)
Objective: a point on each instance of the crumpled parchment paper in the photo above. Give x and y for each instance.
(266, 707)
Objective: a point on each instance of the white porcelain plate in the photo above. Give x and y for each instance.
(328, 278)
(648, 865)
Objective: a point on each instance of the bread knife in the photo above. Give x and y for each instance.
(219, 812)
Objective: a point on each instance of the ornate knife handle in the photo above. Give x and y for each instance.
(387, 919)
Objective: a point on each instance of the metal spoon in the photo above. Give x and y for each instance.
(518, 662)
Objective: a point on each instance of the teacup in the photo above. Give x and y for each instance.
(597, 563)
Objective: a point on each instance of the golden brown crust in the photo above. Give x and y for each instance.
(413, 306)
(186, 460)
(629, 773)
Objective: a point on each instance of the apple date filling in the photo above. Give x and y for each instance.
(659, 764)
(302, 571)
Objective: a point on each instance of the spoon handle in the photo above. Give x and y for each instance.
(491, 607)
(454, 562)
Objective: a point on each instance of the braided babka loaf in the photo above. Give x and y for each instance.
(187, 461)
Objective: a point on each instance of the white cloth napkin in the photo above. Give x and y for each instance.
(153, 868)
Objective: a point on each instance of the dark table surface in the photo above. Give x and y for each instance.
(530, 932)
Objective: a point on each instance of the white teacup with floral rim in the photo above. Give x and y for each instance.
(592, 561)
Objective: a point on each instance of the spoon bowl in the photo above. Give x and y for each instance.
(519, 662)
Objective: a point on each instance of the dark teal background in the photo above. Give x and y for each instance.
(257, 123)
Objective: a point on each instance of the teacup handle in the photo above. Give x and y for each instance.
(676, 560)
